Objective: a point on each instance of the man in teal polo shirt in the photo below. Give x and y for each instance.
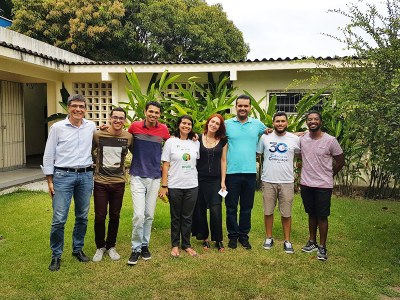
(243, 133)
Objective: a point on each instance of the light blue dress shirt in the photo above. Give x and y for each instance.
(68, 146)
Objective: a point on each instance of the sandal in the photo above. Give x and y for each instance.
(206, 245)
(219, 246)
(191, 251)
(175, 252)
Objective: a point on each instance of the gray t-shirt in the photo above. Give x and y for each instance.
(278, 156)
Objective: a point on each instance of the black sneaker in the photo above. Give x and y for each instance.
(288, 247)
(232, 243)
(134, 258)
(246, 245)
(322, 253)
(268, 243)
(310, 247)
(146, 253)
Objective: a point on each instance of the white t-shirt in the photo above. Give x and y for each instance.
(278, 156)
(182, 156)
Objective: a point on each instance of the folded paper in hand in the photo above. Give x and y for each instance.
(223, 193)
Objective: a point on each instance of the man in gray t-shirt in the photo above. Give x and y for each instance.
(279, 149)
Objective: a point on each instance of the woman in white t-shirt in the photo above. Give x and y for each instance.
(179, 181)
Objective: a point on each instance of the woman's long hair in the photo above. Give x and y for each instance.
(221, 132)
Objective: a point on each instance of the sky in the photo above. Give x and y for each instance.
(288, 28)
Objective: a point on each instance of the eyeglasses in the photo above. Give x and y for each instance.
(75, 106)
(115, 118)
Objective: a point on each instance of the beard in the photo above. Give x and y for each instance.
(242, 117)
(280, 130)
(314, 129)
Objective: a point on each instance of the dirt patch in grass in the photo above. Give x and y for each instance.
(395, 289)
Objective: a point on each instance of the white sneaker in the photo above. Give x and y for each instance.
(112, 252)
(98, 256)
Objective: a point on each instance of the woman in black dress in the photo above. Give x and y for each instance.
(211, 169)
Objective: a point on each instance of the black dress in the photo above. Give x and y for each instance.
(209, 174)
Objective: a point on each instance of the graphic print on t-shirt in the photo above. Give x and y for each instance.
(186, 156)
(111, 155)
(278, 151)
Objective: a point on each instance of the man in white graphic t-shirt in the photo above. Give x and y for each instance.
(279, 149)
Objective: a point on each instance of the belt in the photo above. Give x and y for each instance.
(75, 170)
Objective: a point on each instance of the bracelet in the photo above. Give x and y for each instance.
(164, 186)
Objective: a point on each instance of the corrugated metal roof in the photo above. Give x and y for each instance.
(24, 50)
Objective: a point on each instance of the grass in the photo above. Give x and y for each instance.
(363, 248)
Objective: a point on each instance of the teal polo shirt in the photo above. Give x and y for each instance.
(242, 144)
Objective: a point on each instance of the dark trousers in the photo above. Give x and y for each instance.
(107, 195)
(208, 198)
(241, 189)
(182, 203)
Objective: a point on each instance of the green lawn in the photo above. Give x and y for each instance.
(363, 248)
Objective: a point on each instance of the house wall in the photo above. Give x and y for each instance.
(257, 83)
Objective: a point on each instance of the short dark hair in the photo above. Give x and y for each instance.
(154, 103)
(179, 121)
(76, 97)
(243, 96)
(314, 112)
(118, 109)
(279, 114)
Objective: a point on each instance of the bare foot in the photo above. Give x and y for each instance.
(175, 252)
(191, 251)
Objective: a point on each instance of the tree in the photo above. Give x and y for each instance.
(144, 30)
(87, 27)
(367, 91)
(189, 30)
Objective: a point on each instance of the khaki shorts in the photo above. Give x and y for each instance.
(283, 192)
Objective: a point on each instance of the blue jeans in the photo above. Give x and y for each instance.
(66, 185)
(241, 189)
(144, 199)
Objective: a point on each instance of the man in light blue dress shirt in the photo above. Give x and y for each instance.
(67, 164)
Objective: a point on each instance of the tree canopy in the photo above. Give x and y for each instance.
(367, 91)
(144, 30)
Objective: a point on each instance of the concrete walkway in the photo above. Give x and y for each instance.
(25, 178)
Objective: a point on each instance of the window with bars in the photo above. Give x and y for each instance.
(287, 100)
(98, 97)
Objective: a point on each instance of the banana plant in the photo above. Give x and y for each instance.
(59, 116)
(137, 99)
(187, 101)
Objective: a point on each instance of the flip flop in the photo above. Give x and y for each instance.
(206, 245)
